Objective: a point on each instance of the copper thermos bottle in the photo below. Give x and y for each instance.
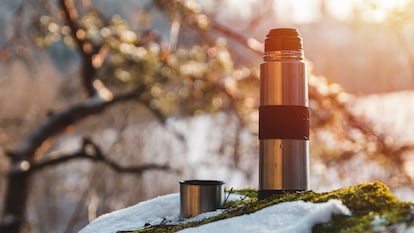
(283, 115)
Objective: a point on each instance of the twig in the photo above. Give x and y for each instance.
(227, 197)
(174, 32)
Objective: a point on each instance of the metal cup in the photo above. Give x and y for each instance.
(199, 196)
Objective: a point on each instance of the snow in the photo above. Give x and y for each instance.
(164, 209)
(134, 217)
(295, 216)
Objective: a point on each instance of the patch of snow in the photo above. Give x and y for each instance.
(134, 217)
(295, 216)
(378, 224)
(161, 210)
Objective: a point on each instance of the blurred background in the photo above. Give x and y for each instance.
(179, 84)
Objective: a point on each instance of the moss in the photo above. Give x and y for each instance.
(249, 192)
(366, 201)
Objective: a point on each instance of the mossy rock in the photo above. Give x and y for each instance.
(366, 202)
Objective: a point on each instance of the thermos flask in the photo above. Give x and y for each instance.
(283, 115)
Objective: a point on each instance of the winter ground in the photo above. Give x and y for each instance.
(286, 217)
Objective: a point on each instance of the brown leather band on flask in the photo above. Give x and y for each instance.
(283, 122)
(283, 115)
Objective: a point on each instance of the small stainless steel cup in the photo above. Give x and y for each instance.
(198, 196)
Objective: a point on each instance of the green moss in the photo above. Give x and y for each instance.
(249, 192)
(250, 196)
(366, 201)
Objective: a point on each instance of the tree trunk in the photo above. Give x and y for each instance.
(16, 198)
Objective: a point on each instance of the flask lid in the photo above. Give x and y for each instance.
(279, 39)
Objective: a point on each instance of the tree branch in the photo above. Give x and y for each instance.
(249, 43)
(91, 151)
(85, 47)
(59, 121)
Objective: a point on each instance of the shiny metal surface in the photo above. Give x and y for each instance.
(283, 163)
(283, 83)
(198, 196)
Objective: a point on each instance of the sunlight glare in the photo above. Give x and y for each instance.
(306, 11)
(379, 10)
(299, 11)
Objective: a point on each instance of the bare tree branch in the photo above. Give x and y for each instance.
(57, 122)
(247, 42)
(85, 47)
(91, 151)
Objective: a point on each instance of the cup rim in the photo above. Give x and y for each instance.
(201, 182)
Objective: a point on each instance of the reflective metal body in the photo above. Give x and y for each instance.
(198, 196)
(283, 163)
